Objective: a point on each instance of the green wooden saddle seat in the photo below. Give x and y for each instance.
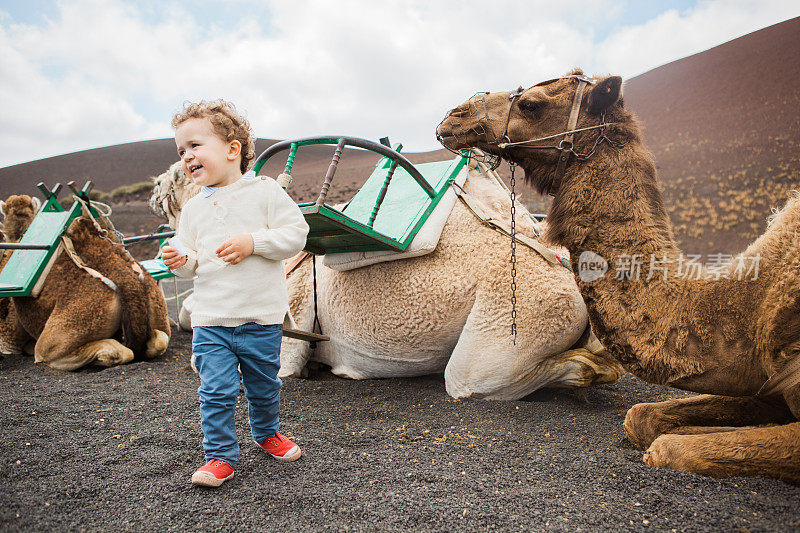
(388, 210)
(157, 269)
(402, 213)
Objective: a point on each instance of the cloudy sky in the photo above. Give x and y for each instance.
(87, 73)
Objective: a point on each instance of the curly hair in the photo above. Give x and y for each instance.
(225, 121)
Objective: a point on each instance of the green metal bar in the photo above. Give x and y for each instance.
(351, 141)
(381, 195)
(386, 162)
(151, 237)
(20, 246)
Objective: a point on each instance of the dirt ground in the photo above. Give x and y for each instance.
(114, 449)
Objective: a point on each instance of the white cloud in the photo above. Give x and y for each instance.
(673, 34)
(103, 72)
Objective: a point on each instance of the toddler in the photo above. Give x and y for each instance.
(233, 236)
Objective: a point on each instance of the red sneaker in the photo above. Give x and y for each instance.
(281, 448)
(212, 474)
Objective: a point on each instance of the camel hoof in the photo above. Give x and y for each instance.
(589, 369)
(157, 344)
(30, 347)
(9, 349)
(112, 353)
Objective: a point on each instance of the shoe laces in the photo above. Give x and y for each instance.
(276, 439)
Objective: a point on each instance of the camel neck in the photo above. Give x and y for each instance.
(612, 206)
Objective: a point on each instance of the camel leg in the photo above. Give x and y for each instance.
(486, 364)
(156, 344)
(185, 314)
(295, 353)
(76, 335)
(580, 368)
(763, 451)
(646, 421)
(158, 321)
(106, 352)
(13, 337)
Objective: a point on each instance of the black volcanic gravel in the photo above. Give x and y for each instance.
(113, 449)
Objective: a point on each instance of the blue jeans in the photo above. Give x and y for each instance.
(218, 350)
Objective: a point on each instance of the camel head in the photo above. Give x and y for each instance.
(171, 191)
(18, 212)
(524, 126)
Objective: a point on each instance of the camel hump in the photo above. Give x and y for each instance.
(114, 262)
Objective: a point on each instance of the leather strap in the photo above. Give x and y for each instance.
(787, 377)
(70, 248)
(501, 227)
(295, 262)
(566, 144)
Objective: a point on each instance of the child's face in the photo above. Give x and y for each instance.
(206, 157)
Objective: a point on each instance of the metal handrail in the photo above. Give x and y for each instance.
(349, 141)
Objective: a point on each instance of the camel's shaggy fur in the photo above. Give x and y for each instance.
(719, 334)
(448, 311)
(76, 320)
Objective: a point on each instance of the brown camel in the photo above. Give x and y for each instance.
(77, 320)
(18, 212)
(721, 329)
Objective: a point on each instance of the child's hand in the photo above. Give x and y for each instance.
(171, 258)
(236, 248)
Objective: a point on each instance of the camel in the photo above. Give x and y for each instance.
(76, 320)
(447, 311)
(730, 331)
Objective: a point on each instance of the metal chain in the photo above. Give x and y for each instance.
(512, 167)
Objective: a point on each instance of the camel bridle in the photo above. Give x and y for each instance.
(166, 202)
(565, 147)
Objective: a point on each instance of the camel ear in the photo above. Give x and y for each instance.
(36, 204)
(605, 94)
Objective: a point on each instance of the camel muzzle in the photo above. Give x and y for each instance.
(467, 126)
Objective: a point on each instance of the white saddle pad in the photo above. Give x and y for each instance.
(424, 243)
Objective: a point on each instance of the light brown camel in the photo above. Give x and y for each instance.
(722, 331)
(77, 320)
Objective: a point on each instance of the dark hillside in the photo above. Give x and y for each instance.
(724, 127)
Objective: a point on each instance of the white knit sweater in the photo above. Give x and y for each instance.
(254, 290)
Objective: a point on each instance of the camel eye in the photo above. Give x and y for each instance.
(529, 107)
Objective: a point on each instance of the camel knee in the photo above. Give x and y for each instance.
(662, 452)
(455, 385)
(294, 357)
(185, 313)
(644, 423)
(156, 344)
(51, 348)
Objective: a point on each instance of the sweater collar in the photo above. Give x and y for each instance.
(207, 191)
